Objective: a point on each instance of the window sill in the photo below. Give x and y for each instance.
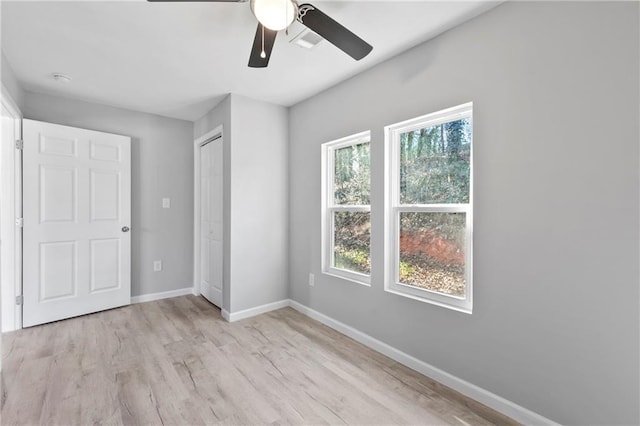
(453, 307)
(361, 279)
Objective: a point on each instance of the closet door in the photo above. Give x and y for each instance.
(211, 221)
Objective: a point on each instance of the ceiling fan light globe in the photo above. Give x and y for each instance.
(275, 15)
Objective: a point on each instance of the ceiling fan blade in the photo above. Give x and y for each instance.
(333, 32)
(255, 60)
(190, 1)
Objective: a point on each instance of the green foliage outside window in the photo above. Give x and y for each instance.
(351, 184)
(434, 164)
(352, 175)
(434, 169)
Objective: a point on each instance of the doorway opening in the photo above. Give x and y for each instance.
(11, 214)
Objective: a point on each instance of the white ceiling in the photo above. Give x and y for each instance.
(180, 59)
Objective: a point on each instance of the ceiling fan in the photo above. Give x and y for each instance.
(276, 15)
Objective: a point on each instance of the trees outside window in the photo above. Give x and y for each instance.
(346, 208)
(429, 208)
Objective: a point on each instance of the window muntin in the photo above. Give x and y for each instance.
(429, 215)
(346, 208)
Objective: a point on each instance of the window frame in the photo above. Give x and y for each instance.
(393, 208)
(329, 207)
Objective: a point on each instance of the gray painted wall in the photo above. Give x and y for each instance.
(10, 82)
(161, 166)
(555, 326)
(259, 203)
(256, 219)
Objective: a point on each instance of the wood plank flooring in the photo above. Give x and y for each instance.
(177, 362)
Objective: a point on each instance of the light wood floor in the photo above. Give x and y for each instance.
(177, 362)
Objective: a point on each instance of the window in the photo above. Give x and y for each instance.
(429, 208)
(346, 208)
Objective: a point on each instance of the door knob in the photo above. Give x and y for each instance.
(125, 229)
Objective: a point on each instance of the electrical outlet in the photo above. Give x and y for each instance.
(166, 203)
(312, 280)
(157, 265)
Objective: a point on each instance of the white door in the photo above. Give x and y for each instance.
(211, 221)
(77, 213)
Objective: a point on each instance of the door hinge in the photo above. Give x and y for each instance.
(19, 144)
(19, 300)
(20, 222)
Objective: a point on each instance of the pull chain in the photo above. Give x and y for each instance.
(286, 14)
(263, 54)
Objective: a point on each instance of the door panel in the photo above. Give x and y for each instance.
(58, 270)
(105, 152)
(58, 146)
(215, 218)
(105, 264)
(105, 195)
(205, 256)
(58, 194)
(77, 199)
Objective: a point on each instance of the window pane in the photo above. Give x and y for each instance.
(352, 241)
(434, 164)
(432, 251)
(352, 175)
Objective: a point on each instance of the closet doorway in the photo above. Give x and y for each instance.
(209, 244)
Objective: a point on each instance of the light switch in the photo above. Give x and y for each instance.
(157, 265)
(166, 203)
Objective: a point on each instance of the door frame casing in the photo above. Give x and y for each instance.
(214, 134)
(11, 210)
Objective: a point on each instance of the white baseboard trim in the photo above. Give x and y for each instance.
(251, 312)
(162, 295)
(225, 314)
(498, 403)
(483, 396)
